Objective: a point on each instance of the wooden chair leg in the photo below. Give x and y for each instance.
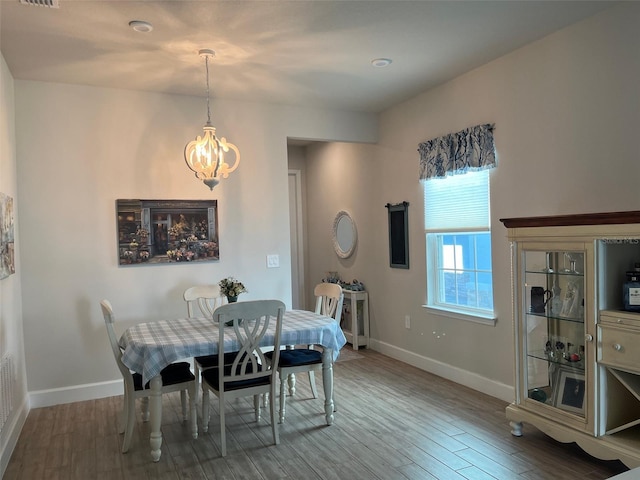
(124, 415)
(292, 384)
(183, 402)
(256, 406)
(223, 436)
(196, 373)
(193, 413)
(205, 409)
(312, 382)
(144, 408)
(131, 421)
(283, 395)
(274, 425)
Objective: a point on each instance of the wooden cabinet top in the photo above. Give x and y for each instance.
(609, 218)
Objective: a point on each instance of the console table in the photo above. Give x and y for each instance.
(355, 318)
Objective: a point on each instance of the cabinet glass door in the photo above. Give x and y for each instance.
(554, 329)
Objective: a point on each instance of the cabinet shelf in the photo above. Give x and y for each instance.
(556, 317)
(542, 355)
(554, 272)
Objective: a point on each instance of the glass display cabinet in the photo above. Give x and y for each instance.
(556, 347)
(576, 304)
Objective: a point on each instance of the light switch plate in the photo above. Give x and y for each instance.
(273, 261)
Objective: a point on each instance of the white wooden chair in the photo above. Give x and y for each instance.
(175, 377)
(329, 298)
(250, 374)
(202, 301)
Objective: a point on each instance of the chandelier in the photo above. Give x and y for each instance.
(205, 154)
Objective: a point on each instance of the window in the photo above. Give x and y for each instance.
(458, 241)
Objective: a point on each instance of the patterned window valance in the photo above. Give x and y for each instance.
(470, 149)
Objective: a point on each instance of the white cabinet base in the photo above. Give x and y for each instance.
(608, 447)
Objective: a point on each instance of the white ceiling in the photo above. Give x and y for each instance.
(310, 53)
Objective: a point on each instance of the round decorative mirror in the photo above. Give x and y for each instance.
(344, 234)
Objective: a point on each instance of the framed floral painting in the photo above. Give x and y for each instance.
(167, 231)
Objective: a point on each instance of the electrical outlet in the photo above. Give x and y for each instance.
(273, 261)
(407, 321)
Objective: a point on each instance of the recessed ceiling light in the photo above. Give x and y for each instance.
(141, 26)
(381, 62)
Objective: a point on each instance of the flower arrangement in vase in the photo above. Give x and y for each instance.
(231, 288)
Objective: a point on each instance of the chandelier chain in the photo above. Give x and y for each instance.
(206, 62)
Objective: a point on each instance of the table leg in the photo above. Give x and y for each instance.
(327, 380)
(155, 408)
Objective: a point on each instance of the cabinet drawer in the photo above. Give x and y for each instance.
(612, 317)
(619, 348)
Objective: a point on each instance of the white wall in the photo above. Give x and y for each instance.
(566, 110)
(11, 338)
(81, 148)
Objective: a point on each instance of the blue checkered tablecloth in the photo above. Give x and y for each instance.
(149, 347)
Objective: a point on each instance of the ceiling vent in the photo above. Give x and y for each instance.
(42, 3)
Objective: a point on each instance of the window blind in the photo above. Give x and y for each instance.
(457, 202)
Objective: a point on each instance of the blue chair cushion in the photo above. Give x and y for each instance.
(211, 377)
(297, 357)
(209, 361)
(178, 372)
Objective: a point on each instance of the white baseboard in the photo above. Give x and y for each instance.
(455, 374)
(79, 393)
(76, 393)
(11, 434)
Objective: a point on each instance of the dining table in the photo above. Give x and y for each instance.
(151, 346)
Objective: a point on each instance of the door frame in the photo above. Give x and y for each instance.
(297, 239)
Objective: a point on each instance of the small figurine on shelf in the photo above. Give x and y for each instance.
(332, 277)
(556, 300)
(356, 286)
(571, 302)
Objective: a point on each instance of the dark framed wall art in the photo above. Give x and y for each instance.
(398, 235)
(165, 231)
(569, 390)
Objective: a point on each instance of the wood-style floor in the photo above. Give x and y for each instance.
(393, 422)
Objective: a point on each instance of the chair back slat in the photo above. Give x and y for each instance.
(202, 300)
(329, 299)
(109, 320)
(249, 321)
